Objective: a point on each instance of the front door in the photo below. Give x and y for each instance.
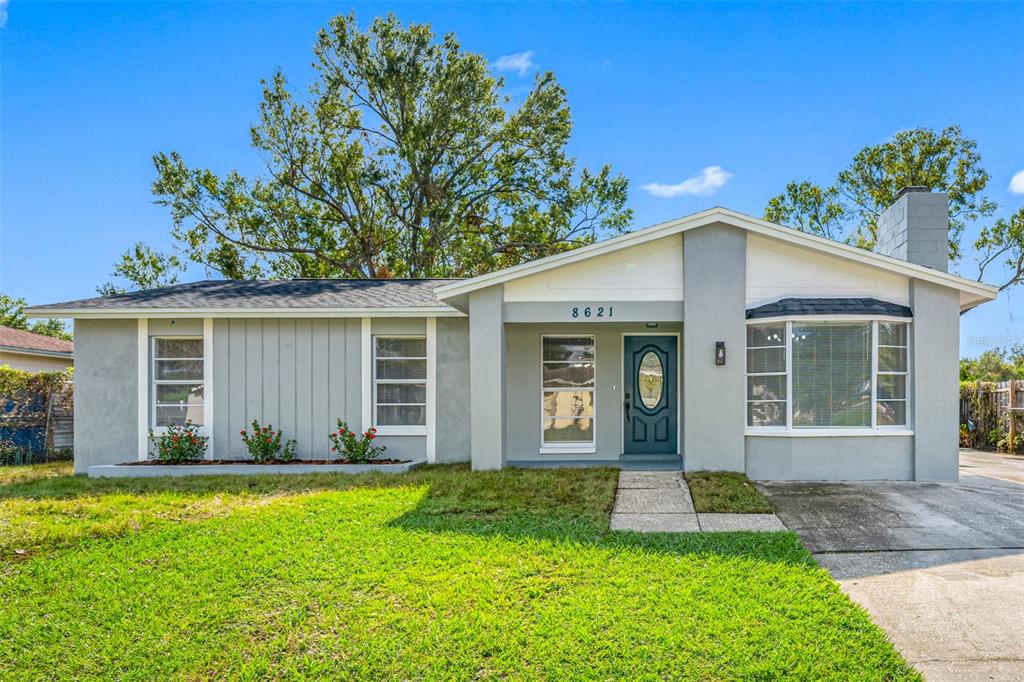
(649, 406)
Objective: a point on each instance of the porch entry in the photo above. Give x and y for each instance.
(650, 396)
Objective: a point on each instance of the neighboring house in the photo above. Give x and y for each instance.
(717, 340)
(34, 352)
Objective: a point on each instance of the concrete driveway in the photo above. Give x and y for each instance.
(940, 566)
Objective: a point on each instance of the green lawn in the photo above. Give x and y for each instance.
(439, 574)
(726, 492)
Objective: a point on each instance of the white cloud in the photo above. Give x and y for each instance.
(708, 181)
(1017, 182)
(3, 13)
(520, 62)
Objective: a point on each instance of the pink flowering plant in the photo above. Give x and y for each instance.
(356, 448)
(266, 445)
(179, 443)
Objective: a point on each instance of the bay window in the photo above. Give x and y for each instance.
(827, 374)
(177, 381)
(567, 391)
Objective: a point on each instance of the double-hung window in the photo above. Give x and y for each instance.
(400, 383)
(827, 374)
(567, 391)
(177, 381)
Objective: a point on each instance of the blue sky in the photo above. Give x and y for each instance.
(711, 104)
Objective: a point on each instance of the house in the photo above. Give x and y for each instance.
(34, 352)
(715, 341)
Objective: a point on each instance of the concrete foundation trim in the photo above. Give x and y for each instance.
(178, 470)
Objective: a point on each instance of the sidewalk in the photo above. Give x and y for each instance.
(660, 502)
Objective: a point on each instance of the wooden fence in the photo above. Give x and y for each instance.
(992, 415)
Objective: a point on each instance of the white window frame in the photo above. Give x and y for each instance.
(806, 431)
(393, 429)
(568, 447)
(154, 382)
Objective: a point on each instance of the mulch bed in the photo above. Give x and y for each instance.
(246, 462)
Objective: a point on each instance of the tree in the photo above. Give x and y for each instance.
(1003, 240)
(945, 161)
(808, 208)
(144, 268)
(404, 159)
(12, 314)
(995, 364)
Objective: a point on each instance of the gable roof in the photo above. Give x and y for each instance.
(972, 292)
(21, 341)
(285, 297)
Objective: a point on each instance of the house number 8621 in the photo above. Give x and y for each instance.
(592, 311)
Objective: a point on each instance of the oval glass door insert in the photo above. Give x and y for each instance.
(651, 379)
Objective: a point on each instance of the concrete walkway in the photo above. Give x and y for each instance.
(660, 502)
(992, 465)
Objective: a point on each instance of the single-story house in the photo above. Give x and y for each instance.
(716, 341)
(32, 352)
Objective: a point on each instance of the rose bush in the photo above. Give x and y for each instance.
(179, 443)
(355, 448)
(264, 444)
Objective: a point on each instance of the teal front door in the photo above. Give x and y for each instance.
(651, 390)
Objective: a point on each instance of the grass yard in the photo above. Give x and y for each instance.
(438, 574)
(726, 492)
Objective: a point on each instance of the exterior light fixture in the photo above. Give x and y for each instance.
(719, 352)
(652, 325)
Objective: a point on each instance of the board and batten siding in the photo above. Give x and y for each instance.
(300, 375)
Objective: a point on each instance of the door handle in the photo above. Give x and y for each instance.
(626, 403)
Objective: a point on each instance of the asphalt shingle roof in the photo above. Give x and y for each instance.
(828, 306)
(21, 339)
(257, 294)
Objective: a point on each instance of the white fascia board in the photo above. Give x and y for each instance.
(983, 292)
(215, 313)
(67, 355)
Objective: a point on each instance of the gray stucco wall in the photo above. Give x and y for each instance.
(935, 352)
(106, 392)
(834, 458)
(487, 350)
(714, 309)
(453, 398)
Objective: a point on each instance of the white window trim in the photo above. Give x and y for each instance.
(570, 447)
(828, 431)
(394, 430)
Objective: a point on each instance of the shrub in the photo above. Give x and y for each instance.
(1004, 444)
(993, 437)
(179, 443)
(965, 436)
(355, 448)
(264, 444)
(11, 454)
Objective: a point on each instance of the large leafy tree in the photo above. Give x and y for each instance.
(403, 159)
(945, 161)
(12, 314)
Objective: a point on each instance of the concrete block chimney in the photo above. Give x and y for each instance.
(916, 228)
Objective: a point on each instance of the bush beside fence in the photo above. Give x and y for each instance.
(992, 415)
(36, 416)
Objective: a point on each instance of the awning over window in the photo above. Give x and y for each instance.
(791, 307)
